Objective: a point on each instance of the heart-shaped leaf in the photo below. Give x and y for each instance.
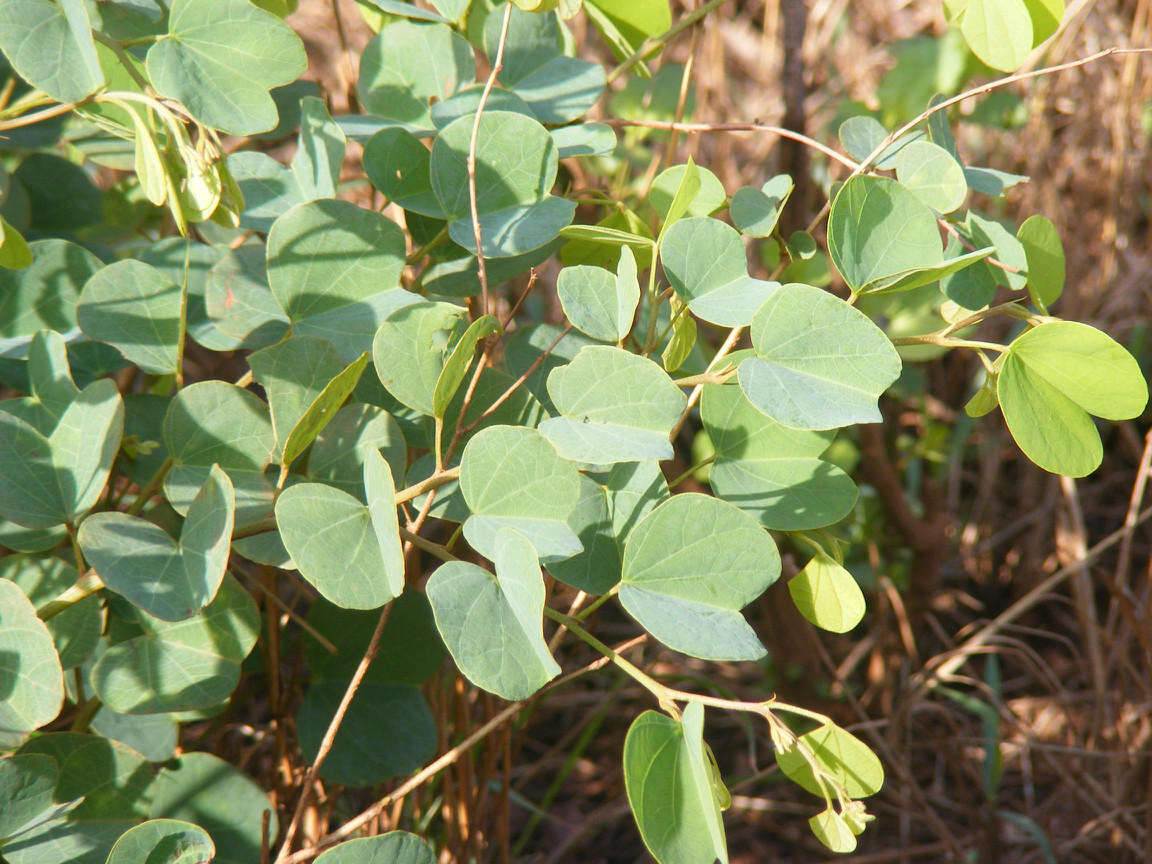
(320, 155)
(827, 595)
(135, 308)
(43, 295)
(338, 454)
(75, 630)
(493, 625)
(841, 754)
(819, 363)
(411, 348)
(757, 211)
(50, 46)
(238, 302)
(615, 406)
(163, 841)
(689, 567)
(598, 302)
(932, 175)
(168, 580)
(350, 552)
(705, 261)
(223, 74)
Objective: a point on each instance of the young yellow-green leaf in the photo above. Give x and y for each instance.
(706, 263)
(819, 363)
(15, 253)
(689, 567)
(683, 338)
(183, 665)
(636, 20)
(511, 477)
(670, 790)
(999, 32)
(458, 362)
(932, 175)
(163, 841)
(827, 595)
(411, 349)
(323, 408)
(50, 480)
(30, 676)
(136, 309)
(172, 580)
(831, 829)
(614, 406)
(687, 187)
(1046, 16)
(755, 212)
(223, 71)
(348, 551)
(395, 847)
(493, 625)
(49, 44)
(221, 799)
(849, 761)
(1045, 255)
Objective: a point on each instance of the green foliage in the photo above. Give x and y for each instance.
(191, 434)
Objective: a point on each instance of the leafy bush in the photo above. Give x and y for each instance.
(407, 438)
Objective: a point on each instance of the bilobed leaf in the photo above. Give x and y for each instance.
(932, 175)
(153, 736)
(338, 454)
(163, 841)
(214, 422)
(705, 261)
(411, 348)
(50, 480)
(348, 551)
(674, 194)
(862, 134)
(1045, 256)
(511, 477)
(238, 302)
(327, 254)
(50, 45)
(410, 63)
(841, 754)
(398, 164)
(689, 567)
(30, 675)
(221, 71)
(43, 295)
(76, 630)
(819, 363)
(831, 829)
(999, 32)
(221, 799)
(827, 595)
(320, 154)
(184, 665)
(395, 847)
(669, 788)
(755, 212)
(598, 302)
(493, 625)
(172, 580)
(457, 364)
(135, 308)
(614, 406)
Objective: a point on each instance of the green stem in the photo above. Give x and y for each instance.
(721, 377)
(152, 486)
(948, 342)
(88, 584)
(708, 460)
(584, 614)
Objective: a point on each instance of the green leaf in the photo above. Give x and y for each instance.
(27, 782)
(136, 309)
(399, 165)
(395, 718)
(153, 736)
(222, 74)
(459, 361)
(862, 134)
(104, 789)
(682, 340)
(15, 253)
(999, 32)
(819, 363)
(493, 625)
(615, 406)
(768, 470)
(238, 302)
(338, 454)
(163, 841)
(827, 595)
(831, 829)
(169, 580)
(410, 63)
(689, 567)
(511, 477)
(184, 665)
(395, 847)
(669, 788)
(306, 383)
(1053, 378)
(75, 630)
(268, 188)
(348, 551)
(327, 254)
(584, 139)
(320, 155)
(878, 230)
(932, 175)
(755, 212)
(214, 422)
(1045, 256)
(1046, 16)
(411, 349)
(706, 263)
(42, 296)
(1008, 250)
(50, 480)
(636, 20)
(30, 675)
(845, 757)
(598, 302)
(674, 194)
(50, 46)
(221, 799)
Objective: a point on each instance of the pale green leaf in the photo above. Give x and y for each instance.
(841, 754)
(411, 348)
(756, 212)
(999, 32)
(49, 44)
(395, 847)
(932, 175)
(30, 675)
(598, 302)
(338, 454)
(827, 595)
(1044, 253)
(320, 153)
(27, 782)
(136, 309)
(43, 295)
(458, 362)
(163, 841)
(831, 829)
